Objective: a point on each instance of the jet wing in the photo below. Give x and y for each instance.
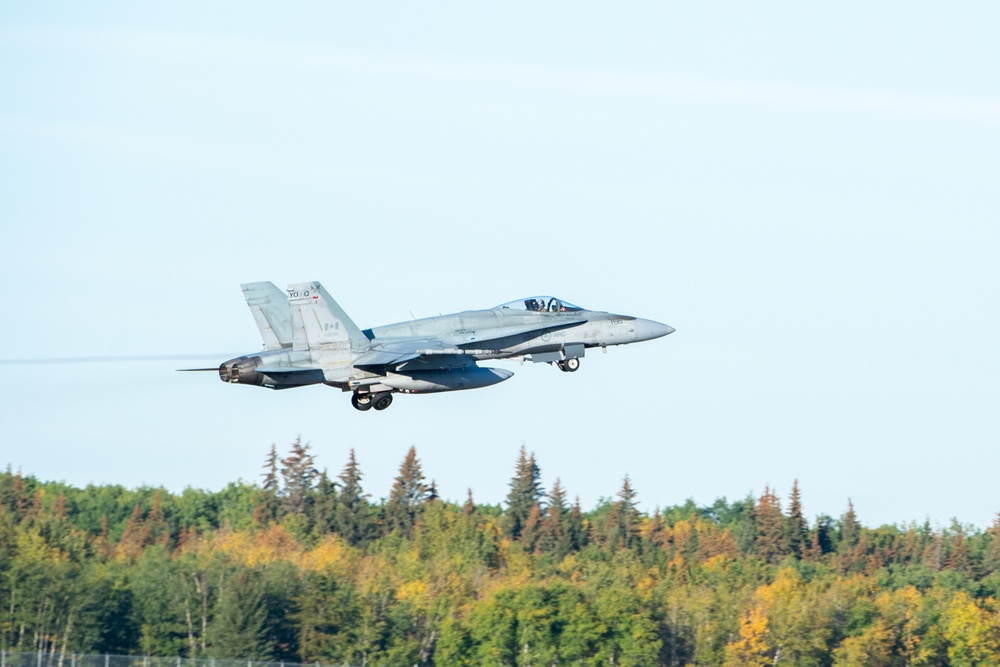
(393, 353)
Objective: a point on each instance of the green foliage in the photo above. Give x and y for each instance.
(297, 569)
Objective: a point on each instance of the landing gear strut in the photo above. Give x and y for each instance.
(569, 365)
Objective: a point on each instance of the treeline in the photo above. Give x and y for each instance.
(307, 567)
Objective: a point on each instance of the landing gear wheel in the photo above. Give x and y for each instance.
(569, 365)
(382, 401)
(361, 402)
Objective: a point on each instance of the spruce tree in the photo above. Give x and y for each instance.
(958, 558)
(991, 560)
(850, 529)
(239, 624)
(525, 492)
(623, 520)
(407, 495)
(531, 531)
(770, 543)
(554, 531)
(353, 515)
(576, 527)
(796, 528)
(469, 508)
(324, 505)
(271, 483)
(299, 474)
(270, 504)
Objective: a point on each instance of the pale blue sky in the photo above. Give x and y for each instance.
(808, 194)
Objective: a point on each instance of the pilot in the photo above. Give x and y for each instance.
(540, 307)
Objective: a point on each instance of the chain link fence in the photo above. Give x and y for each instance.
(62, 659)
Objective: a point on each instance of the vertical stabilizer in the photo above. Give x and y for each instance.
(321, 326)
(270, 310)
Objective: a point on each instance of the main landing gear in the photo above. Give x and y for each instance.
(365, 402)
(569, 365)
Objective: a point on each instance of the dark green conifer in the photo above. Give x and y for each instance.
(269, 507)
(407, 495)
(239, 624)
(850, 529)
(525, 492)
(623, 519)
(576, 527)
(324, 505)
(796, 528)
(299, 474)
(554, 532)
(353, 515)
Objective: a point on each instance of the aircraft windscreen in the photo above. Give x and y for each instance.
(541, 304)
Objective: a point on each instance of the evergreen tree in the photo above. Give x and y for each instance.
(554, 533)
(850, 529)
(238, 627)
(576, 527)
(623, 521)
(407, 495)
(770, 543)
(299, 474)
(270, 505)
(324, 505)
(991, 560)
(353, 514)
(796, 528)
(469, 508)
(271, 482)
(532, 528)
(958, 558)
(525, 492)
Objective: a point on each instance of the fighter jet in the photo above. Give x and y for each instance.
(309, 339)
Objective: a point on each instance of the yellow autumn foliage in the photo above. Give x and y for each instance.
(331, 555)
(751, 649)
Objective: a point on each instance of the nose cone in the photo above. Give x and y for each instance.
(648, 329)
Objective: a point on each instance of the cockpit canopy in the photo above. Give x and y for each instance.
(541, 304)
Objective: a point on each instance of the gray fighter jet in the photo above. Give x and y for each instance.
(309, 339)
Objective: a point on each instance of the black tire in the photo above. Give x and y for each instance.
(361, 402)
(382, 401)
(571, 365)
